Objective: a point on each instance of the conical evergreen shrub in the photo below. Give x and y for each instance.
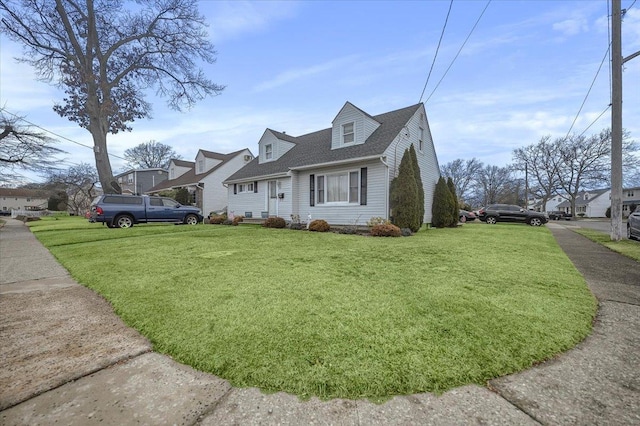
(404, 196)
(416, 172)
(442, 202)
(455, 210)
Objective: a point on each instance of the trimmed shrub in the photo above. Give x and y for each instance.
(404, 196)
(237, 220)
(217, 219)
(386, 231)
(608, 212)
(416, 172)
(455, 210)
(319, 225)
(274, 222)
(443, 206)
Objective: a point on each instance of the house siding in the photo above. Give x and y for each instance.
(348, 214)
(427, 160)
(257, 203)
(214, 196)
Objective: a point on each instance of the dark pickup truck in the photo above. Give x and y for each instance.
(123, 211)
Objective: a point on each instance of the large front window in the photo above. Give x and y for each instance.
(338, 188)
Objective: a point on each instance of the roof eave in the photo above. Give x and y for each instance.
(337, 163)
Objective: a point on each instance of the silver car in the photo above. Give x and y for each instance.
(633, 224)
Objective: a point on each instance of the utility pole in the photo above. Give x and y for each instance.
(616, 118)
(616, 121)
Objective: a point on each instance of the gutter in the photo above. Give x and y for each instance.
(252, 178)
(337, 163)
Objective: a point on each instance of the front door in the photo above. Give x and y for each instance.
(273, 198)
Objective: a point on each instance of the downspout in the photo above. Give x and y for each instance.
(386, 189)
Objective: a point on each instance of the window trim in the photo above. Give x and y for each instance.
(343, 133)
(322, 190)
(420, 139)
(268, 151)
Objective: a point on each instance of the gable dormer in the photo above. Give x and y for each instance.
(206, 160)
(273, 145)
(352, 126)
(179, 167)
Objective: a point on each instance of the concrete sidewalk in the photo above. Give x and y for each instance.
(66, 358)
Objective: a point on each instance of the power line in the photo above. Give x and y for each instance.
(589, 91)
(594, 121)
(437, 49)
(54, 133)
(459, 50)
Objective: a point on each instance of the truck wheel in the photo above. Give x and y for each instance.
(191, 219)
(123, 221)
(535, 221)
(491, 220)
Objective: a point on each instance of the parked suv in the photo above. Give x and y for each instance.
(559, 215)
(633, 224)
(511, 213)
(123, 211)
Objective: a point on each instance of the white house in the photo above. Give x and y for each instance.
(340, 174)
(22, 199)
(203, 177)
(592, 203)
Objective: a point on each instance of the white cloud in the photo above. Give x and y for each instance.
(571, 27)
(292, 75)
(232, 19)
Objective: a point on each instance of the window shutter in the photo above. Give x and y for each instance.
(255, 187)
(235, 188)
(312, 192)
(363, 186)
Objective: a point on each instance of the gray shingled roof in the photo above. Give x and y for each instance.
(580, 201)
(190, 177)
(183, 163)
(315, 148)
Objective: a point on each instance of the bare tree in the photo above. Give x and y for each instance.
(495, 184)
(585, 162)
(106, 57)
(540, 161)
(464, 174)
(150, 155)
(79, 183)
(23, 149)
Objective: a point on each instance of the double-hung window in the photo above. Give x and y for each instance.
(348, 135)
(268, 151)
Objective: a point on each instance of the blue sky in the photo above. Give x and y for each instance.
(291, 66)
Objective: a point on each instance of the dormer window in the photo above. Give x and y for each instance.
(268, 152)
(200, 166)
(348, 136)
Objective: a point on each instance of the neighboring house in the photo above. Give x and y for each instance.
(22, 199)
(340, 174)
(203, 177)
(550, 206)
(589, 203)
(630, 197)
(139, 181)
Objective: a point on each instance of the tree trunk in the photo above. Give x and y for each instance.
(103, 165)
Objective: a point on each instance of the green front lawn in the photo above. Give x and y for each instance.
(625, 247)
(336, 315)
